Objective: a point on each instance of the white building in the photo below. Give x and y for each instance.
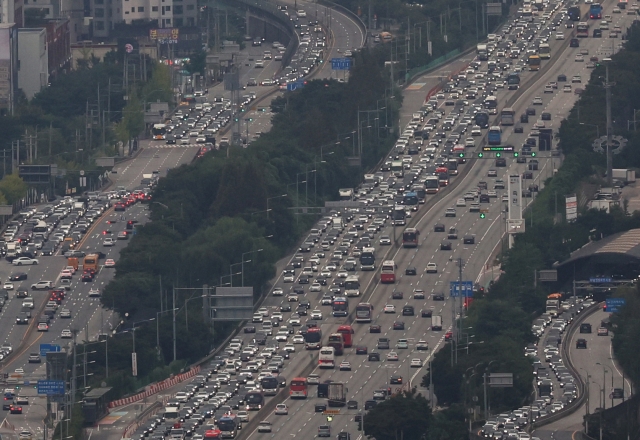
(167, 13)
(33, 60)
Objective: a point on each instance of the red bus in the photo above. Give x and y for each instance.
(388, 272)
(313, 339)
(298, 388)
(337, 342)
(410, 238)
(347, 335)
(364, 312)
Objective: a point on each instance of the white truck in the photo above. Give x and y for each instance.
(13, 249)
(626, 176)
(436, 322)
(337, 223)
(337, 394)
(481, 50)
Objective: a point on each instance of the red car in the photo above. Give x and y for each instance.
(448, 335)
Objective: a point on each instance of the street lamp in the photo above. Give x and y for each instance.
(271, 198)
(604, 376)
(231, 269)
(588, 381)
(593, 125)
(158, 327)
(249, 261)
(134, 361)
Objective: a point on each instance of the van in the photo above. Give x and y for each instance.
(324, 431)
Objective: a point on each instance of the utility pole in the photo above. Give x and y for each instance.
(174, 325)
(458, 323)
(607, 87)
(74, 376)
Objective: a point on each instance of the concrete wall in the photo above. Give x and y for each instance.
(33, 71)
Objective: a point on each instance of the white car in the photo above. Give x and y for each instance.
(263, 311)
(294, 320)
(461, 203)
(94, 292)
(385, 240)
(264, 426)
(432, 268)
(282, 409)
(290, 348)
(389, 308)
(25, 261)
(343, 274)
(345, 366)
(298, 339)
(108, 242)
(315, 287)
(42, 285)
(416, 363)
(292, 298)
(278, 291)
(8, 285)
(110, 262)
(392, 356)
(288, 278)
(316, 315)
(559, 36)
(66, 334)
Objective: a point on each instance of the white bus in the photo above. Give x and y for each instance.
(352, 286)
(327, 357)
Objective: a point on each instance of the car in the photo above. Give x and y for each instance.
(438, 296)
(315, 287)
(316, 315)
(385, 240)
(418, 294)
(559, 36)
(603, 331)
(461, 203)
(379, 395)
(562, 77)
(94, 292)
(8, 285)
(492, 173)
(34, 358)
(579, 58)
(43, 327)
(581, 343)
(281, 409)
(395, 379)
(567, 88)
(264, 426)
(411, 270)
(422, 345)
(469, 239)
(389, 308)
(373, 357)
(123, 235)
(398, 325)
(426, 313)
(445, 246)
(345, 366)
(548, 89)
(402, 344)
(375, 328)
(25, 435)
(537, 101)
(110, 262)
(432, 268)
(292, 297)
(42, 285)
(24, 261)
(450, 212)
(14, 409)
(108, 242)
(397, 295)
(361, 349)
(66, 334)
(392, 356)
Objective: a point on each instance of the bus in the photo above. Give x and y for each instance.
(431, 185)
(228, 426)
(495, 136)
(507, 116)
(595, 11)
(340, 306)
(336, 341)
(481, 119)
(298, 388)
(491, 105)
(269, 385)
(388, 272)
(399, 216)
(352, 285)
(313, 338)
(91, 262)
(254, 401)
(582, 30)
(544, 50)
(159, 131)
(347, 335)
(513, 81)
(364, 312)
(574, 13)
(410, 199)
(327, 357)
(622, 4)
(410, 238)
(368, 259)
(534, 63)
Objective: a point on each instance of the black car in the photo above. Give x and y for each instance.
(562, 78)
(395, 380)
(445, 246)
(18, 276)
(373, 356)
(398, 325)
(397, 295)
(438, 296)
(320, 407)
(439, 227)
(361, 349)
(250, 329)
(408, 311)
(370, 404)
(285, 308)
(469, 239)
(411, 271)
(374, 328)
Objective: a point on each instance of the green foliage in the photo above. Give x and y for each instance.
(406, 415)
(132, 122)
(197, 63)
(73, 430)
(13, 188)
(626, 334)
(449, 424)
(158, 88)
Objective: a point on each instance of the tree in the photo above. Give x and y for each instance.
(406, 415)
(13, 188)
(197, 63)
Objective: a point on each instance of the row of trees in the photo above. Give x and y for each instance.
(221, 210)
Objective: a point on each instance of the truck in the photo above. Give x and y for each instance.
(13, 250)
(337, 223)
(481, 50)
(337, 394)
(346, 193)
(625, 175)
(73, 262)
(436, 322)
(553, 307)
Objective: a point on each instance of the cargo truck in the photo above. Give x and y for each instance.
(436, 322)
(481, 50)
(337, 394)
(626, 176)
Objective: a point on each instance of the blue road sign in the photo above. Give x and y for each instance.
(614, 304)
(467, 288)
(295, 86)
(600, 280)
(51, 387)
(340, 63)
(46, 348)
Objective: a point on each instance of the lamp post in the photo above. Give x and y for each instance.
(242, 262)
(231, 270)
(271, 198)
(593, 125)
(604, 376)
(158, 328)
(228, 276)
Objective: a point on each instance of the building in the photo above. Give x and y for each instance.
(166, 13)
(12, 11)
(8, 66)
(33, 60)
(59, 38)
(86, 50)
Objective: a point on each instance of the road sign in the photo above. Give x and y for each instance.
(46, 348)
(600, 280)
(467, 288)
(340, 63)
(614, 304)
(331, 412)
(51, 387)
(498, 148)
(295, 85)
